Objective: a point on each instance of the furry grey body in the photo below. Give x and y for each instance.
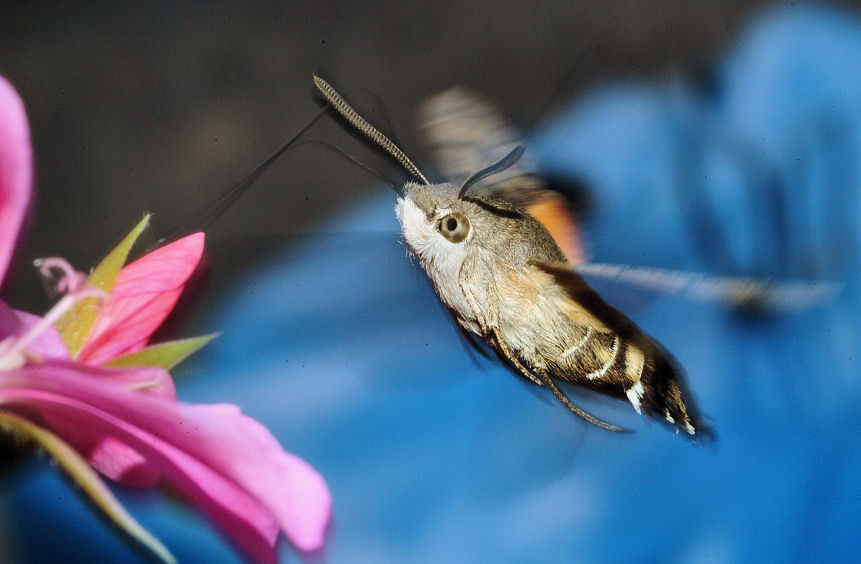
(509, 284)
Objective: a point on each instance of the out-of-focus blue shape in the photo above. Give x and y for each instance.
(341, 348)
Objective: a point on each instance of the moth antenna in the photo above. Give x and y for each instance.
(505, 162)
(576, 410)
(384, 118)
(362, 125)
(353, 160)
(234, 192)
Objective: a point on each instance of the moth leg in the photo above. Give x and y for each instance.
(482, 324)
(488, 320)
(503, 347)
(484, 317)
(576, 410)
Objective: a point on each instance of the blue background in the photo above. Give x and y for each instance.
(340, 347)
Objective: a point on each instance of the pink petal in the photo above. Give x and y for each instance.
(125, 324)
(116, 461)
(286, 484)
(144, 293)
(16, 170)
(248, 523)
(121, 463)
(10, 324)
(164, 269)
(47, 345)
(110, 457)
(228, 449)
(148, 380)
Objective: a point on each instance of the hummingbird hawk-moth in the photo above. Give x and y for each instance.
(506, 281)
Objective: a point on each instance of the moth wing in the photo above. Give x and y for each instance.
(471, 344)
(555, 213)
(481, 293)
(636, 286)
(579, 298)
(467, 133)
(653, 381)
(479, 290)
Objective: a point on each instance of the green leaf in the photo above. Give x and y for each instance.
(165, 355)
(88, 480)
(75, 325)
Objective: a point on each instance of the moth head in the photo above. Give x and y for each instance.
(435, 218)
(436, 223)
(454, 226)
(443, 206)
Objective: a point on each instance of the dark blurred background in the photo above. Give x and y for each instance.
(156, 107)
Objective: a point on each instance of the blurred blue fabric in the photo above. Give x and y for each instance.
(341, 348)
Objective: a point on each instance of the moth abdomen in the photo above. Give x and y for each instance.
(596, 360)
(664, 395)
(608, 363)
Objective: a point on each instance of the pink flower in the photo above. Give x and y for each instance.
(126, 422)
(225, 462)
(144, 293)
(16, 171)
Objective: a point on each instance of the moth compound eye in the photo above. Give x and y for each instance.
(454, 227)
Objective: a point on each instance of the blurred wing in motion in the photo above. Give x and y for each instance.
(467, 133)
(748, 294)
